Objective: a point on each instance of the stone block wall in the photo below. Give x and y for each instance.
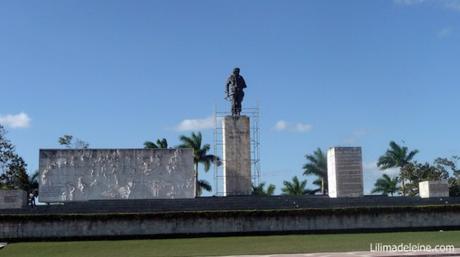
(429, 189)
(13, 199)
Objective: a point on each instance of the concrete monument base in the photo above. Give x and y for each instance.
(429, 189)
(237, 155)
(13, 199)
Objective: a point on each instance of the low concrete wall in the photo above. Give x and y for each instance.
(74, 226)
(13, 199)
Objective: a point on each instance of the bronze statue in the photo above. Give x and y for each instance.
(234, 91)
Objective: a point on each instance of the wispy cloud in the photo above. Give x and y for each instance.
(452, 4)
(448, 4)
(409, 2)
(20, 120)
(444, 32)
(196, 124)
(281, 125)
(299, 127)
(371, 167)
(355, 136)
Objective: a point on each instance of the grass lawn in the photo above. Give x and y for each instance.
(216, 246)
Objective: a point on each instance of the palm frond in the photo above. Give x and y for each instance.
(295, 187)
(205, 185)
(150, 145)
(271, 189)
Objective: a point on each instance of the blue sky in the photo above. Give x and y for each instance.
(329, 73)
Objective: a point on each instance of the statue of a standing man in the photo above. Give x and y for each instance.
(234, 91)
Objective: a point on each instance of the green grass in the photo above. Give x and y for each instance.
(215, 246)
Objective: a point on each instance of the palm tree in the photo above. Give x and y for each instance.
(33, 181)
(386, 185)
(160, 144)
(295, 187)
(396, 157)
(317, 166)
(260, 191)
(200, 155)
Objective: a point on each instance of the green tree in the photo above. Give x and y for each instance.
(397, 157)
(449, 165)
(72, 143)
(417, 172)
(33, 181)
(317, 165)
(454, 186)
(386, 185)
(260, 190)
(160, 144)
(200, 156)
(295, 187)
(13, 169)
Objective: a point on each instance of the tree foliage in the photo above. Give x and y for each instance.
(454, 186)
(413, 172)
(200, 156)
(416, 172)
(159, 144)
(397, 157)
(13, 169)
(296, 187)
(72, 143)
(317, 166)
(259, 190)
(386, 185)
(450, 166)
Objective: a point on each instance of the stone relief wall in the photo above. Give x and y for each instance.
(97, 174)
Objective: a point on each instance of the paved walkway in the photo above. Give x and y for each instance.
(456, 253)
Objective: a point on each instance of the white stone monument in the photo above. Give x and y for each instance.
(107, 174)
(237, 155)
(344, 172)
(429, 189)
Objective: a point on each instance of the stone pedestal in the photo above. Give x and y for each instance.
(237, 155)
(429, 189)
(13, 199)
(345, 172)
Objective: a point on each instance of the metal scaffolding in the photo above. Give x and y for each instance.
(254, 115)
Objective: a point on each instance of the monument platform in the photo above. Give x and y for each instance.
(239, 215)
(229, 203)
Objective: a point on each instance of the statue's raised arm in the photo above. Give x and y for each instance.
(234, 91)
